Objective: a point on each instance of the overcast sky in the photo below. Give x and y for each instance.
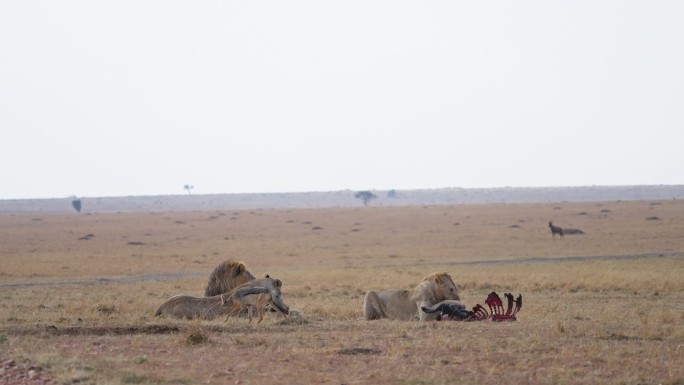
(110, 98)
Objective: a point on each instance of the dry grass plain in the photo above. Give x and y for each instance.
(78, 293)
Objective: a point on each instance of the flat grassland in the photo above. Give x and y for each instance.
(79, 291)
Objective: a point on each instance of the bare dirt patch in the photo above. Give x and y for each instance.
(23, 373)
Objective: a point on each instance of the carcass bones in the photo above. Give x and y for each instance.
(455, 310)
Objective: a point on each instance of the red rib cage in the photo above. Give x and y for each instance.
(496, 310)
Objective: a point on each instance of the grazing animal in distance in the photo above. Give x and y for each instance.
(406, 304)
(455, 310)
(227, 276)
(555, 230)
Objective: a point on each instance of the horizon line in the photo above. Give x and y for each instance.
(346, 190)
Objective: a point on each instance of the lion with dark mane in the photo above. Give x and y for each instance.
(406, 305)
(227, 276)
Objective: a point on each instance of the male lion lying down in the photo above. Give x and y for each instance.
(406, 305)
(259, 291)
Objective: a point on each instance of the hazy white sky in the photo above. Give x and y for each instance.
(107, 98)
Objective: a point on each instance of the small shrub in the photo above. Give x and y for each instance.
(196, 337)
(106, 310)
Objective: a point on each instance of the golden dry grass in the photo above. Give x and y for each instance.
(82, 309)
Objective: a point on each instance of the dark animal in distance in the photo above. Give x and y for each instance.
(555, 230)
(456, 311)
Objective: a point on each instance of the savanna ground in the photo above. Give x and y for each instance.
(79, 291)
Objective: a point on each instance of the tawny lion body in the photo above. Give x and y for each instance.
(187, 306)
(227, 276)
(260, 292)
(406, 305)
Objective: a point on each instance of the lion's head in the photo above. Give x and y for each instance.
(226, 276)
(437, 287)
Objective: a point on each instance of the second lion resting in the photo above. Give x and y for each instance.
(406, 305)
(257, 292)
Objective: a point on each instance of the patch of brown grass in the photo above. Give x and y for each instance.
(195, 336)
(84, 309)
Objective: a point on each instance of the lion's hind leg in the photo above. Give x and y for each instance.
(373, 307)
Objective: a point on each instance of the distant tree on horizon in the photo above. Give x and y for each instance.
(365, 196)
(188, 188)
(76, 203)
